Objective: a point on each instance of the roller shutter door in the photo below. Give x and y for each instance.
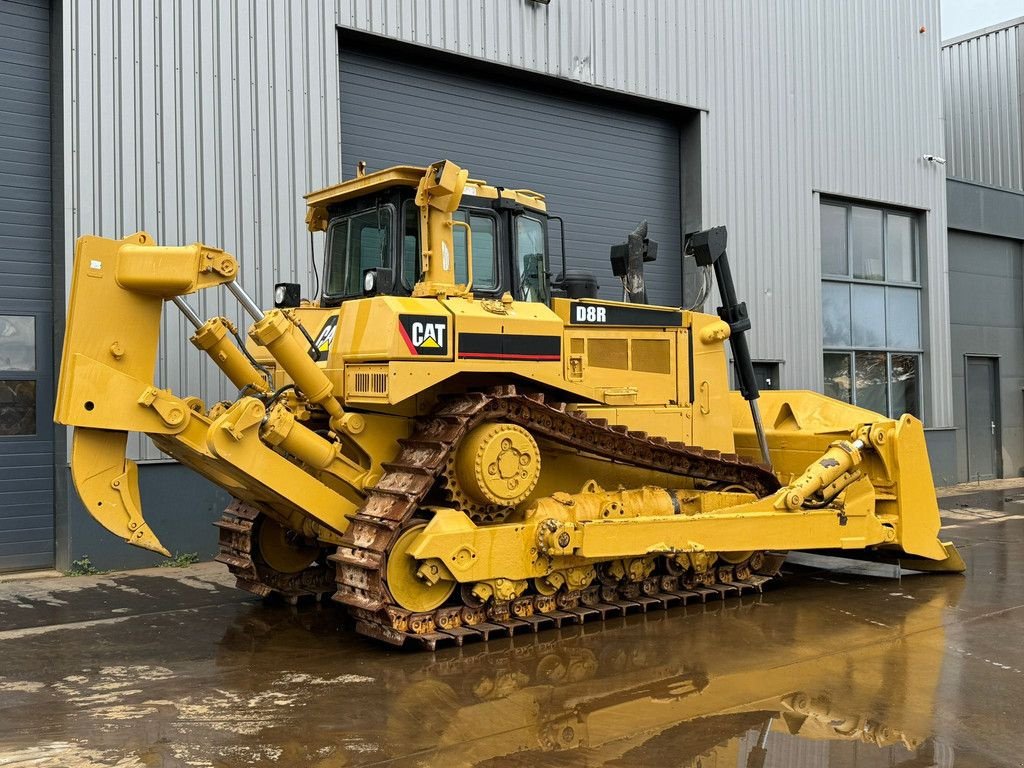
(26, 288)
(602, 166)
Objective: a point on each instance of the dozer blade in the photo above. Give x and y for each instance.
(920, 546)
(108, 484)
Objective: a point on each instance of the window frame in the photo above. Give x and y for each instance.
(33, 375)
(404, 279)
(915, 236)
(851, 354)
(408, 283)
(333, 299)
(853, 349)
(542, 222)
(499, 270)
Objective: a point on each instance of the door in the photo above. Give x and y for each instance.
(983, 431)
(766, 375)
(26, 289)
(602, 167)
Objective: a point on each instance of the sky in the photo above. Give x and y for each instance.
(962, 16)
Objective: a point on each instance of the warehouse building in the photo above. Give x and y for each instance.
(983, 84)
(811, 134)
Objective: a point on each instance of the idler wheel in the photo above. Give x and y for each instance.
(498, 464)
(405, 583)
(281, 549)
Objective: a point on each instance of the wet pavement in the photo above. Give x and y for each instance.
(835, 668)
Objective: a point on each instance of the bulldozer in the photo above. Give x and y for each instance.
(453, 443)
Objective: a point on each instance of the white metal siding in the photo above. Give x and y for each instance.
(983, 85)
(201, 121)
(208, 121)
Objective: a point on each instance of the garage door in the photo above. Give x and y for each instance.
(603, 167)
(26, 285)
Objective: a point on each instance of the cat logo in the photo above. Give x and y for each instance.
(326, 335)
(424, 334)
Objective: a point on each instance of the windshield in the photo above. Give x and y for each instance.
(531, 260)
(354, 244)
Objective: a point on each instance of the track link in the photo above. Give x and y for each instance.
(362, 557)
(237, 550)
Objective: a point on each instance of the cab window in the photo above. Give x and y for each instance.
(485, 256)
(410, 244)
(531, 260)
(354, 244)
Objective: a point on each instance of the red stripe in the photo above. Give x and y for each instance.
(509, 356)
(408, 341)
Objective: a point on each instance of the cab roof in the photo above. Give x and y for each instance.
(404, 176)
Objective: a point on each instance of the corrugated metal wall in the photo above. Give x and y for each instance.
(983, 84)
(801, 97)
(201, 121)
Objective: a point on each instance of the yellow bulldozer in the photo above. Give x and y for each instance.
(453, 444)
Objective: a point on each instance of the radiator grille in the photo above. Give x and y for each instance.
(608, 353)
(652, 355)
(368, 382)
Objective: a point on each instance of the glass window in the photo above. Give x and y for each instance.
(837, 375)
(903, 318)
(871, 332)
(866, 243)
(905, 387)
(900, 261)
(835, 304)
(485, 258)
(531, 260)
(17, 407)
(410, 244)
(355, 244)
(868, 307)
(834, 257)
(872, 381)
(17, 343)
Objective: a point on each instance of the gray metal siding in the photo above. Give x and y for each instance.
(25, 259)
(603, 168)
(989, 267)
(983, 90)
(26, 277)
(197, 120)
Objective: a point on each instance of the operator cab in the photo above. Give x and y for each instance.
(379, 234)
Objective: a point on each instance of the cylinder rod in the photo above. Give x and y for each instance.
(243, 298)
(187, 311)
(762, 440)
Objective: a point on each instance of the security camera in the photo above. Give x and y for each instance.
(935, 159)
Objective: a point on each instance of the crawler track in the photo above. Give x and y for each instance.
(362, 558)
(238, 551)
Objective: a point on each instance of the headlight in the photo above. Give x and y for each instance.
(287, 295)
(369, 281)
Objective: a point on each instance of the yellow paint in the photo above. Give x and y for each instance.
(852, 479)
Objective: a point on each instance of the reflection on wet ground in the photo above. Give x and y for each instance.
(838, 669)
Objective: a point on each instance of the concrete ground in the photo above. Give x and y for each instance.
(837, 668)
